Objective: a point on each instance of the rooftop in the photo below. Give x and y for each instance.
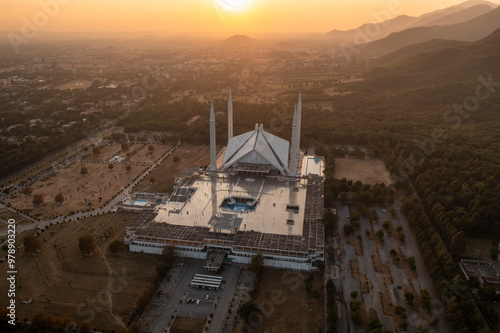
(260, 204)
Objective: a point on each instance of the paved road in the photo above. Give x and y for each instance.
(105, 209)
(340, 273)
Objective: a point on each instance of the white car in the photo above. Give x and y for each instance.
(384, 210)
(207, 297)
(197, 302)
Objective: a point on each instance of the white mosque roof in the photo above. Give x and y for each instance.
(257, 147)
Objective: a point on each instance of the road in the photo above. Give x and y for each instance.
(340, 273)
(51, 156)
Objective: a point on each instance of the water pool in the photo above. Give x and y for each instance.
(139, 202)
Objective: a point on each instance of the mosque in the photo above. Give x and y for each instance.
(260, 194)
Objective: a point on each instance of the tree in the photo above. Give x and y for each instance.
(143, 299)
(374, 324)
(162, 270)
(409, 296)
(110, 166)
(348, 229)
(152, 180)
(38, 199)
(169, 255)
(412, 263)
(176, 159)
(386, 225)
(59, 198)
(96, 151)
(425, 298)
(125, 146)
(257, 264)
(115, 246)
(84, 171)
(85, 327)
(330, 222)
(402, 237)
(374, 216)
(362, 209)
(31, 244)
(128, 168)
(28, 190)
(458, 243)
(87, 244)
(354, 294)
(400, 310)
(151, 149)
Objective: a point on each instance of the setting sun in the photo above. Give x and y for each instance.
(233, 5)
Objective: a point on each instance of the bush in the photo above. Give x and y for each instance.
(348, 229)
(116, 246)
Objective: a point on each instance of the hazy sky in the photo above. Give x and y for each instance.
(226, 16)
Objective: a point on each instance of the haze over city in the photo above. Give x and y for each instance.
(213, 16)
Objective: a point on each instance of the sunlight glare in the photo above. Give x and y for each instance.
(234, 5)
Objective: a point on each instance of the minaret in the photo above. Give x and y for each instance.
(230, 116)
(299, 121)
(213, 155)
(293, 154)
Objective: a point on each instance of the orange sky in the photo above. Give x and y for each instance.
(255, 16)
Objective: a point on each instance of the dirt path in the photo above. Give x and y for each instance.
(118, 320)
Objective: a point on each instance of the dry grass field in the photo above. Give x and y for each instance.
(108, 152)
(187, 325)
(368, 171)
(164, 174)
(293, 311)
(6, 214)
(478, 248)
(144, 155)
(100, 182)
(101, 289)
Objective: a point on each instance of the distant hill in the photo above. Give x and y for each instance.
(417, 50)
(427, 19)
(239, 41)
(386, 28)
(461, 16)
(471, 30)
(454, 62)
(463, 12)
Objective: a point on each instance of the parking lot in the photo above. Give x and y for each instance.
(175, 304)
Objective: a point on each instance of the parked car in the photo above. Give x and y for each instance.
(207, 297)
(197, 302)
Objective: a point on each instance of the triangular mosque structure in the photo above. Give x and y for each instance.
(259, 194)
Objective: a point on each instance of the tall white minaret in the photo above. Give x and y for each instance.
(213, 154)
(293, 154)
(299, 121)
(230, 116)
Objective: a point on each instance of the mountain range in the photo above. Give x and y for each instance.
(469, 21)
(456, 14)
